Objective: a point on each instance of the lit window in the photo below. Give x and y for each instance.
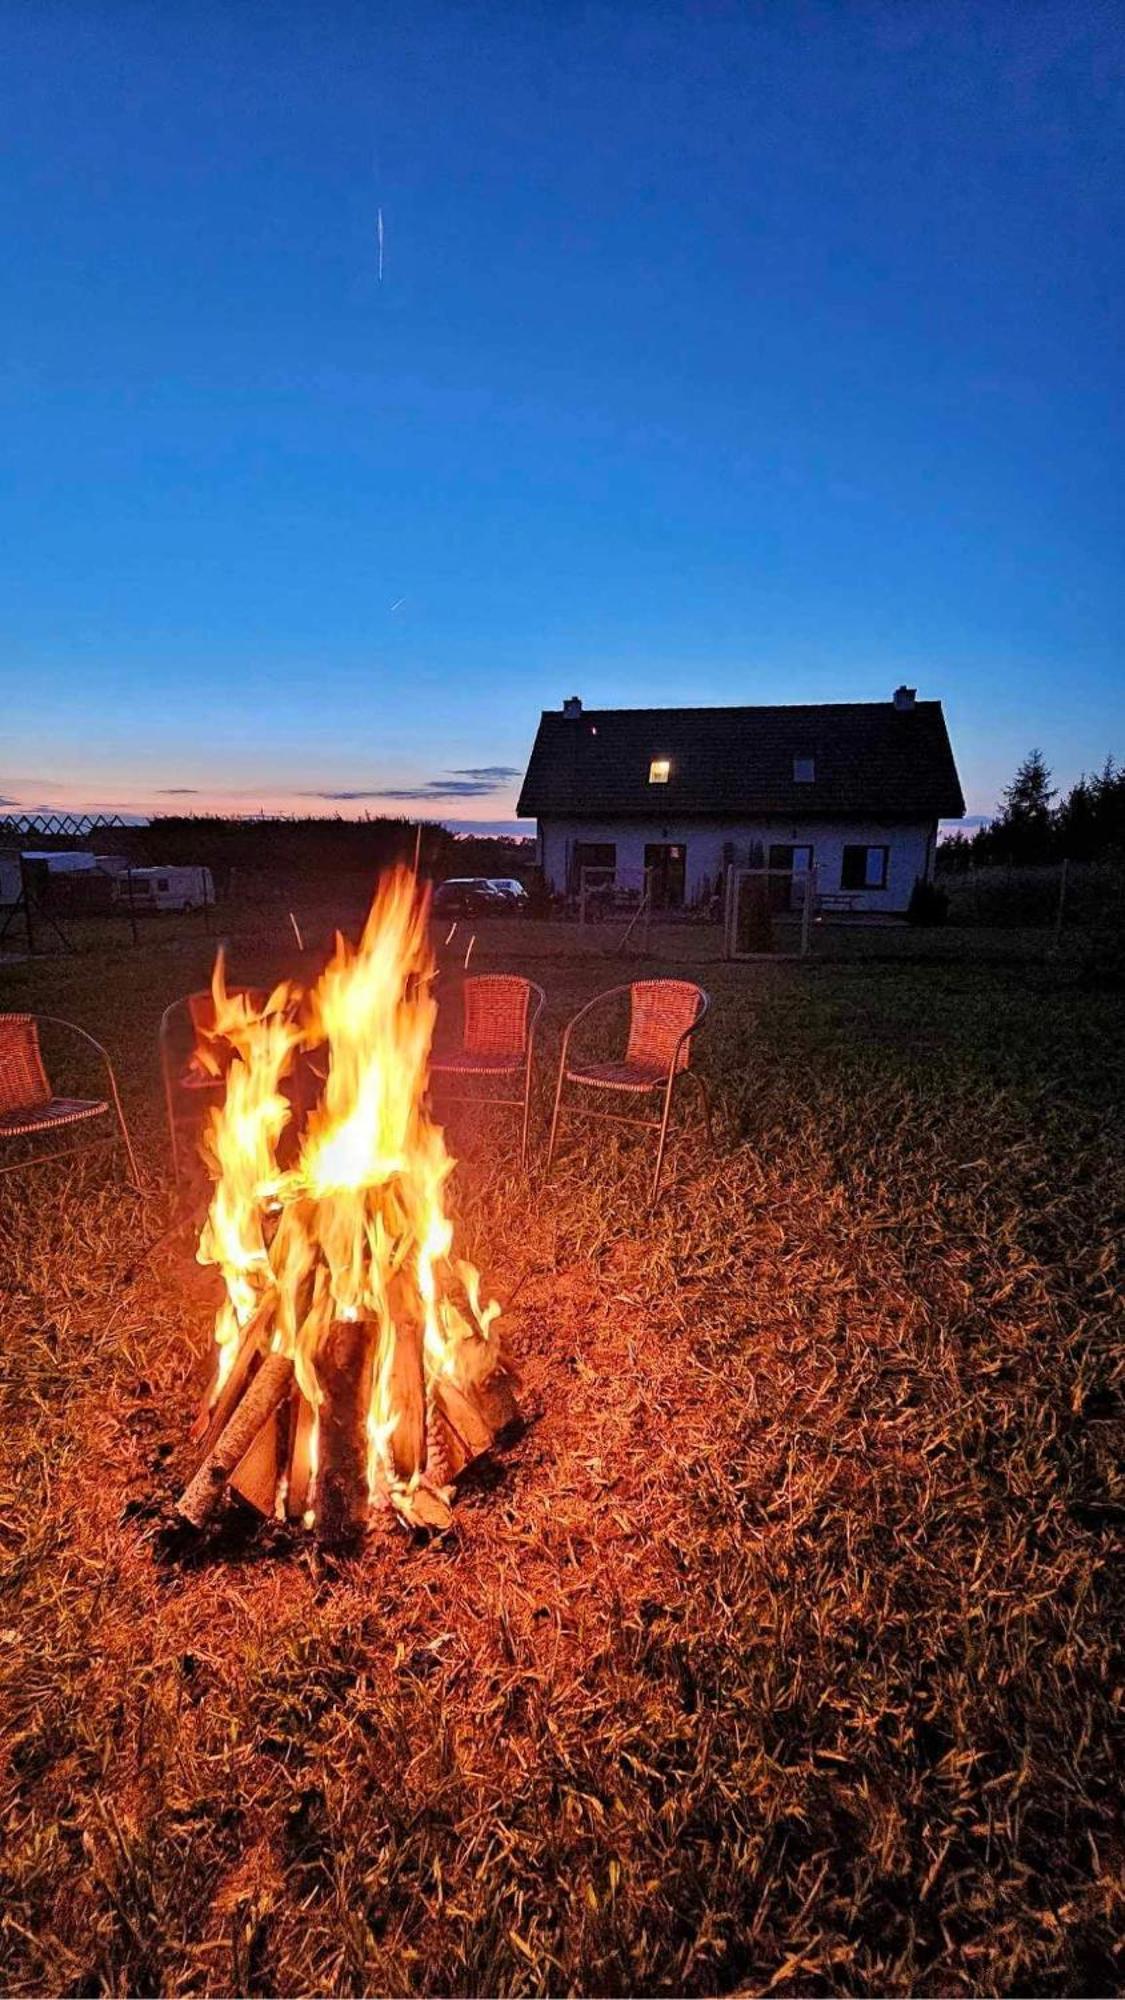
(804, 770)
(658, 771)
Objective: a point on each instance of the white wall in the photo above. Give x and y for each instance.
(911, 844)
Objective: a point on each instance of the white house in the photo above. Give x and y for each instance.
(854, 789)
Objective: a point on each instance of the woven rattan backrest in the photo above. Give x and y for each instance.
(660, 1010)
(23, 1079)
(496, 1014)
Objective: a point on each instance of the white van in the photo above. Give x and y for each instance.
(179, 888)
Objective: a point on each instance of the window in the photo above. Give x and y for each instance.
(864, 868)
(162, 882)
(804, 770)
(658, 771)
(795, 860)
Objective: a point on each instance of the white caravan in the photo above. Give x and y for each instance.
(179, 888)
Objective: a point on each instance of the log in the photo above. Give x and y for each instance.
(268, 1389)
(345, 1366)
(446, 1452)
(486, 1376)
(213, 1416)
(463, 1417)
(255, 1476)
(421, 1507)
(495, 1398)
(302, 1429)
(407, 1397)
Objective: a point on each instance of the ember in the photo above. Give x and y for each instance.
(355, 1360)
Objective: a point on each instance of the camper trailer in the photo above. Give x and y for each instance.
(178, 888)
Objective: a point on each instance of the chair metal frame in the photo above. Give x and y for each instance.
(90, 1110)
(457, 1064)
(678, 1065)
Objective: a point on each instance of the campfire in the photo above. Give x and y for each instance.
(356, 1365)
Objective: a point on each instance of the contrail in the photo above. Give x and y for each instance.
(379, 233)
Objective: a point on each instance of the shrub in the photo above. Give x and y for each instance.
(928, 903)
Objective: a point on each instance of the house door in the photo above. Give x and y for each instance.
(788, 895)
(665, 871)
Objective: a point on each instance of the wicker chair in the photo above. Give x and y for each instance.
(28, 1106)
(663, 1016)
(501, 1012)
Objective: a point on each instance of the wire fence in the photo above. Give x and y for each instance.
(1069, 911)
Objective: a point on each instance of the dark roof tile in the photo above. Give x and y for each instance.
(870, 757)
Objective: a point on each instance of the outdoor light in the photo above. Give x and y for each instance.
(658, 771)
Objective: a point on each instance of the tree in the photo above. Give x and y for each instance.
(1025, 828)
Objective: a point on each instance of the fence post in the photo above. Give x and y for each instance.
(728, 898)
(28, 918)
(806, 913)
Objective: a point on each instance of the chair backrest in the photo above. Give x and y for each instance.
(23, 1079)
(496, 1014)
(659, 1012)
(186, 1023)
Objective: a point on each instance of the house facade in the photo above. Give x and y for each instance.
(677, 796)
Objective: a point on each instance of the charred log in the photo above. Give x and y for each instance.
(345, 1366)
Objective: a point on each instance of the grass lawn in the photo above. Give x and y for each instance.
(781, 1652)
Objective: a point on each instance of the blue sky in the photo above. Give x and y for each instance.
(719, 353)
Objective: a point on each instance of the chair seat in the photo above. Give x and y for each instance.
(44, 1117)
(465, 1065)
(620, 1075)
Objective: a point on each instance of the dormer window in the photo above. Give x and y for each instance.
(658, 770)
(804, 770)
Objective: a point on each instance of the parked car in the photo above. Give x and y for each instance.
(469, 896)
(509, 887)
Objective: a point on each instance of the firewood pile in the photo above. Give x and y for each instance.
(356, 1365)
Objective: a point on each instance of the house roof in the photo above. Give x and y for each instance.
(868, 757)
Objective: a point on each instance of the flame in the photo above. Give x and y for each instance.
(240, 1146)
(356, 1227)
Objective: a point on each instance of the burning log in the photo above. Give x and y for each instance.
(406, 1397)
(345, 1366)
(270, 1385)
(214, 1415)
(298, 1482)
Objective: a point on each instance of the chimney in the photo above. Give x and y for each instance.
(572, 708)
(904, 699)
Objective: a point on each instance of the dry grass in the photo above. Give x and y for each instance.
(781, 1653)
